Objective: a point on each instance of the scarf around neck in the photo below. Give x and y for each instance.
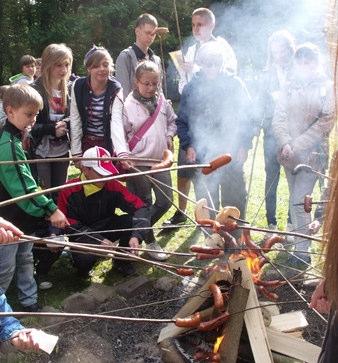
(149, 103)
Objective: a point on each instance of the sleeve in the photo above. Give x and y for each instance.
(171, 119)
(321, 127)
(18, 180)
(182, 121)
(280, 122)
(122, 72)
(230, 58)
(8, 325)
(76, 132)
(117, 131)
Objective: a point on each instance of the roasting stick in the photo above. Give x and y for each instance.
(154, 181)
(114, 177)
(75, 158)
(117, 254)
(192, 201)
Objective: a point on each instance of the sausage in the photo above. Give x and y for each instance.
(275, 238)
(192, 321)
(262, 261)
(216, 227)
(268, 294)
(217, 163)
(185, 271)
(167, 161)
(206, 249)
(217, 295)
(213, 323)
(308, 204)
(207, 256)
(251, 244)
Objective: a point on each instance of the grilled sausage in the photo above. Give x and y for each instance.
(167, 161)
(185, 271)
(214, 323)
(308, 203)
(217, 295)
(217, 163)
(192, 321)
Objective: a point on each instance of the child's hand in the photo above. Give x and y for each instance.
(26, 339)
(8, 232)
(58, 219)
(134, 243)
(191, 155)
(314, 227)
(170, 143)
(319, 300)
(60, 128)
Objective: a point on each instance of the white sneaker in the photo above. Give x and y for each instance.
(160, 255)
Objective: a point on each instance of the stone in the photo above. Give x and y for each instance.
(165, 283)
(100, 292)
(128, 288)
(79, 303)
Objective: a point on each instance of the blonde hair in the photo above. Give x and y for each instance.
(53, 54)
(146, 66)
(20, 95)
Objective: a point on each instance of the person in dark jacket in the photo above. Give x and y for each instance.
(214, 118)
(92, 207)
(50, 132)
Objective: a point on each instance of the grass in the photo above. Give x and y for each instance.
(64, 277)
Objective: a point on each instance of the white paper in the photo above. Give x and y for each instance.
(47, 342)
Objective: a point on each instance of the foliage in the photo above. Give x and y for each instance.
(28, 26)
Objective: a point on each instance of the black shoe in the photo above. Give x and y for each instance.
(32, 308)
(125, 268)
(177, 218)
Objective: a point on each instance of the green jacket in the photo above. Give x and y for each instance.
(17, 180)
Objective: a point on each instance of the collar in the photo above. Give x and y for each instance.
(140, 55)
(13, 130)
(89, 189)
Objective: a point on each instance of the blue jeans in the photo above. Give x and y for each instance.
(18, 259)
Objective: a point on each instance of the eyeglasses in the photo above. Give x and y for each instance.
(148, 84)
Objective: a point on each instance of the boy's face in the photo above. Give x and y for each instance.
(145, 34)
(23, 116)
(201, 28)
(29, 70)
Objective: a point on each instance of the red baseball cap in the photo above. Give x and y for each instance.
(102, 167)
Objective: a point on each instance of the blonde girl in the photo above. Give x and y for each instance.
(49, 134)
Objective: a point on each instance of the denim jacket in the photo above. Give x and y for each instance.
(8, 325)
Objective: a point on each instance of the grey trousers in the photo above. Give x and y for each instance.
(300, 185)
(143, 188)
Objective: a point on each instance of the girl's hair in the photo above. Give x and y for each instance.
(284, 38)
(95, 55)
(146, 66)
(52, 55)
(331, 234)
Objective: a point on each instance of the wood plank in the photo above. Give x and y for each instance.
(289, 322)
(233, 327)
(192, 305)
(253, 318)
(293, 347)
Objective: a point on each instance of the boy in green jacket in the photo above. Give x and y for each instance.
(21, 104)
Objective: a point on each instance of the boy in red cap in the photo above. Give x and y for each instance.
(92, 207)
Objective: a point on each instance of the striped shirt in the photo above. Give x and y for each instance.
(95, 115)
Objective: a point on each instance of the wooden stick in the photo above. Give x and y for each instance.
(74, 158)
(93, 181)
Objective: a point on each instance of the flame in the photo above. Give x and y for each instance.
(253, 262)
(218, 343)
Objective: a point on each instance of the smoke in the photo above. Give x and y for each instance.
(248, 25)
